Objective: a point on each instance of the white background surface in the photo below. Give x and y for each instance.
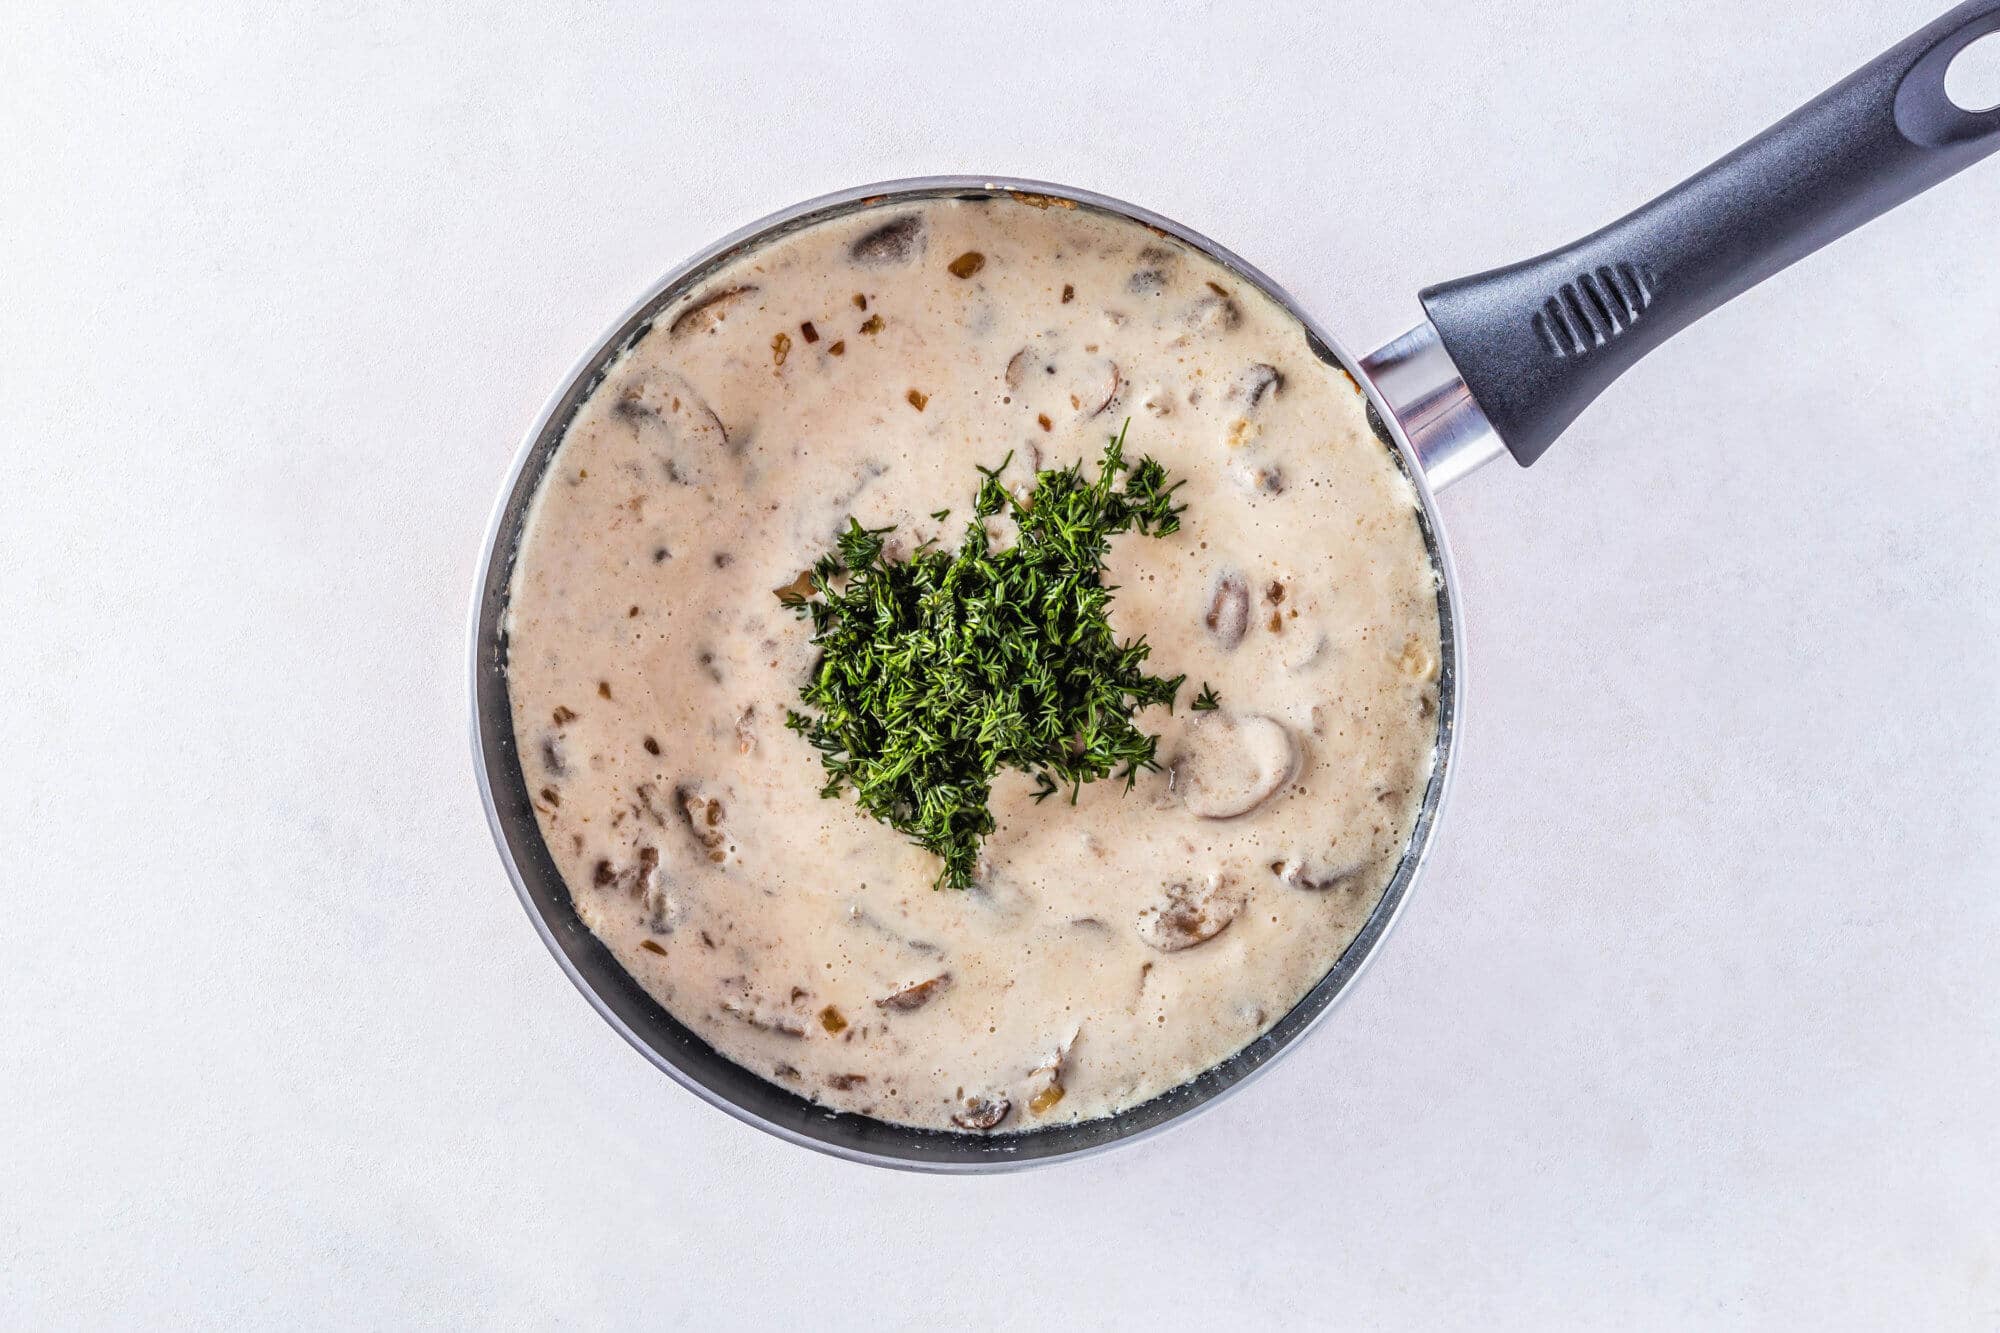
(1696, 1020)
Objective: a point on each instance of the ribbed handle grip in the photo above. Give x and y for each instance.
(1537, 341)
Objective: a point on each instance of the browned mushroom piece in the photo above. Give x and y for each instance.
(709, 311)
(702, 813)
(981, 1113)
(1192, 912)
(1230, 763)
(1228, 614)
(897, 241)
(916, 996)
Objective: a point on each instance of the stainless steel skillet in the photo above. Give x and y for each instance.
(1502, 363)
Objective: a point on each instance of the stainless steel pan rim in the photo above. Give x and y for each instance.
(656, 1034)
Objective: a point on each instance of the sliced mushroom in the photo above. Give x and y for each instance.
(1155, 272)
(1191, 913)
(1230, 763)
(1322, 871)
(1256, 383)
(703, 814)
(917, 996)
(1228, 614)
(680, 425)
(1215, 311)
(759, 1013)
(637, 877)
(1047, 370)
(982, 1112)
(1018, 366)
(709, 311)
(665, 910)
(1259, 476)
(1100, 389)
(896, 241)
(1304, 649)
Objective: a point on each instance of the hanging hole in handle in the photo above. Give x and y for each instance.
(1972, 80)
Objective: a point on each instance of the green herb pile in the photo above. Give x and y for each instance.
(939, 670)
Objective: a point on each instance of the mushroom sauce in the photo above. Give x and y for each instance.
(1112, 948)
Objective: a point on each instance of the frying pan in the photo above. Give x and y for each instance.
(1502, 362)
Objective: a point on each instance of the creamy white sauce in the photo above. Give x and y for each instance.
(1115, 948)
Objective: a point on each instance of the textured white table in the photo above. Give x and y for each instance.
(1697, 1019)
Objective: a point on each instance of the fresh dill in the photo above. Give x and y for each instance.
(939, 669)
(1207, 701)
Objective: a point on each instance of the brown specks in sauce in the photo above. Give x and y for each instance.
(917, 398)
(967, 264)
(781, 347)
(808, 332)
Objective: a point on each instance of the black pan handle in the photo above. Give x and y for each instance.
(1537, 341)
